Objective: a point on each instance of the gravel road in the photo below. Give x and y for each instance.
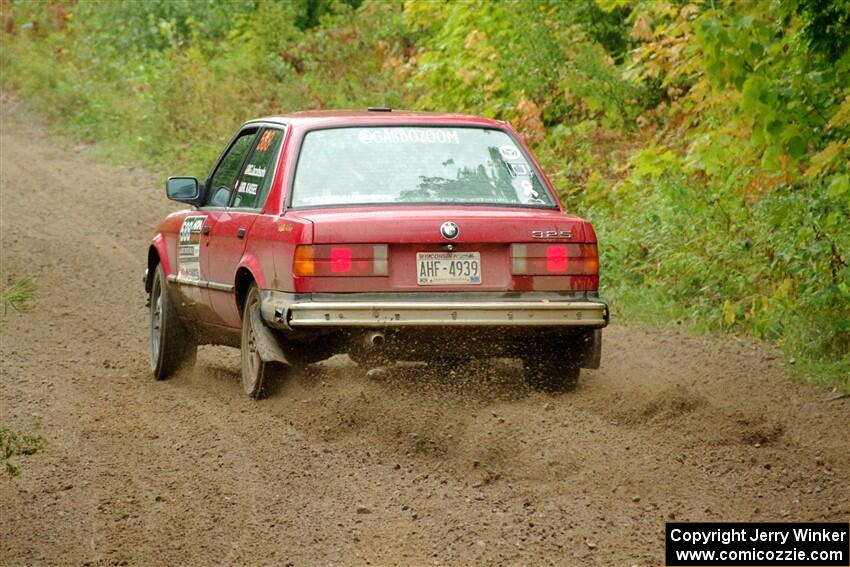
(407, 468)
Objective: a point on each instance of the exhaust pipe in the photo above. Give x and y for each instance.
(373, 339)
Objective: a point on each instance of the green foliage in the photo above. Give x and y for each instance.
(827, 26)
(310, 13)
(13, 443)
(18, 295)
(766, 157)
(708, 142)
(348, 62)
(487, 57)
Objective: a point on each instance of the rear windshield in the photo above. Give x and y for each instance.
(410, 165)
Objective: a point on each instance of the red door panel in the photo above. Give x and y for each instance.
(223, 246)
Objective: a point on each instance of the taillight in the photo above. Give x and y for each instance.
(341, 260)
(304, 265)
(554, 259)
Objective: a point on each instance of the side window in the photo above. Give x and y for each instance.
(223, 181)
(256, 179)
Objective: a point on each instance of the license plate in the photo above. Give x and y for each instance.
(448, 268)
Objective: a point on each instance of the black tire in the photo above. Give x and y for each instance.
(552, 375)
(171, 348)
(258, 377)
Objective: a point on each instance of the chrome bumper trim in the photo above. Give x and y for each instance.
(543, 313)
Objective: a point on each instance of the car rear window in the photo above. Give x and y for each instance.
(411, 165)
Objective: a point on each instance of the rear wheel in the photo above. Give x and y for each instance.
(258, 376)
(552, 374)
(171, 347)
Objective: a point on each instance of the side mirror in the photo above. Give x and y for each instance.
(185, 190)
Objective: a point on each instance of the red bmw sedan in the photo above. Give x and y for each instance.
(384, 234)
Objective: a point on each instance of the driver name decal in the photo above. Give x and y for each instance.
(255, 171)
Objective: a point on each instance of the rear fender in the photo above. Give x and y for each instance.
(249, 270)
(252, 264)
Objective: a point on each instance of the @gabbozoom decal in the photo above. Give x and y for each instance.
(189, 255)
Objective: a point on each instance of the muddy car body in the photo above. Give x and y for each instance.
(387, 235)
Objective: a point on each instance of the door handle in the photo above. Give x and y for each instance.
(206, 229)
(241, 233)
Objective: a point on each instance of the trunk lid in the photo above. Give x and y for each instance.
(412, 232)
(421, 225)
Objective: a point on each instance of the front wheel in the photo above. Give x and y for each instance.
(171, 347)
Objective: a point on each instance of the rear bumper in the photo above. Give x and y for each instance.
(528, 309)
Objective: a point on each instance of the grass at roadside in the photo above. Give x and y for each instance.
(14, 444)
(17, 296)
(824, 374)
(654, 310)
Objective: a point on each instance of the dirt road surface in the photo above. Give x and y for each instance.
(464, 468)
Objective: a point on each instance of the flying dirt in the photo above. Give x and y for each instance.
(409, 466)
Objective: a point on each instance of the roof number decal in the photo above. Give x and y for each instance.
(266, 140)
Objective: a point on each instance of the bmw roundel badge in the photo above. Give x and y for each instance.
(449, 230)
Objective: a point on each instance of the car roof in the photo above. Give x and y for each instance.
(310, 118)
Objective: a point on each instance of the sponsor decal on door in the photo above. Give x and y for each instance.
(189, 249)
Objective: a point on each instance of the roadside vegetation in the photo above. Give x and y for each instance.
(17, 296)
(709, 142)
(13, 444)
